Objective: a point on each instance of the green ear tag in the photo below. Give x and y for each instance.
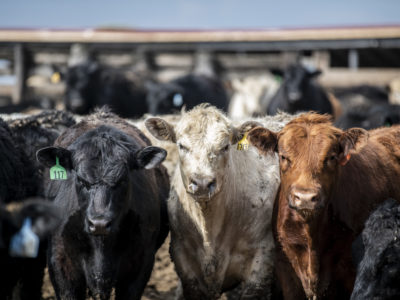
(243, 144)
(57, 172)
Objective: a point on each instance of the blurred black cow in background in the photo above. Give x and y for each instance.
(371, 117)
(90, 85)
(299, 92)
(189, 91)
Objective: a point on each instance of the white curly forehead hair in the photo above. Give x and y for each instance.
(204, 124)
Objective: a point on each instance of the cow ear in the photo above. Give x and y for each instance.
(238, 133)
(263, 139)
(47, 157)
(160, 129)
(314, 73)
(351, 141)
(148, 158)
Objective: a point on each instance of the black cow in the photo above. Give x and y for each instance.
(378, 273)
(114, 208)
(189, 91)
(372, 117)
(299, 92)
(89, 85)
(18, 180)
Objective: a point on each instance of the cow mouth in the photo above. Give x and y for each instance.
(202, 197)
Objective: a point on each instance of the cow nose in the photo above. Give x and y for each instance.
(294, 96)
(202, 185)
(99, 226)
(304, 199)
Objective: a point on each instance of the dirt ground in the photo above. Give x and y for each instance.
(161, 286)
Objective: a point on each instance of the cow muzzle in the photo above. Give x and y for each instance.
(304, 199)
(99, 225)
(294, 96)
(202, 186)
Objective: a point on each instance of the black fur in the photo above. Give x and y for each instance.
(299, 92)
(378, 273)
(90, 85)
(194, 89)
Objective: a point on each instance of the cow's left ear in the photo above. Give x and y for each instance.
(160, 129)
(148, 158)
(351, 141)
(47, 157)
(263, 139)
(239, 132)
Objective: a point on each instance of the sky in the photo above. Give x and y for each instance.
(200, 14)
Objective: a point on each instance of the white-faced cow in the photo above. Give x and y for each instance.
(114, 207)
(220, 206)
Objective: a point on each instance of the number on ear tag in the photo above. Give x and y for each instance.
(58, 172)
(243, 144)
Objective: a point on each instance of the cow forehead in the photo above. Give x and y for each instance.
(314, 142)
(205, 130)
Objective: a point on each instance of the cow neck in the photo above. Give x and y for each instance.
(212, 214)
(305, 263)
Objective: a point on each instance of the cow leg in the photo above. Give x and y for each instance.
(258, 284)
(69, 282)
(189, 289)
(132, 285)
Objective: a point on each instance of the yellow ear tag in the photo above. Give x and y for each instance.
(243, 144)
(55, 78)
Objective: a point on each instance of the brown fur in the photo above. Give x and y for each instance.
(350, 172)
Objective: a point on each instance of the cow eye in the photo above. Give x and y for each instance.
(183, 148)
(283, 157)
(223, 150)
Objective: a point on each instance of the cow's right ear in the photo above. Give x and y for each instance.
(161, 129)
(263, 139)
(47, 157)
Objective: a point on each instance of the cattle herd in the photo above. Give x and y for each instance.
(298, 199)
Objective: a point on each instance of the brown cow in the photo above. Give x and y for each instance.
(331, 180)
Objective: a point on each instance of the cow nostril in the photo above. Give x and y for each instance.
(314, 199)
(211, 184)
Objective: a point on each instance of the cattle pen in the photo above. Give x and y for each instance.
(34, 65)
(348, 56)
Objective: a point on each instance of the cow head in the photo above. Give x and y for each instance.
(311, 151)
(105, 166)
(204, 138)
(164, 98)
(295, 81)
(44, 216)
(80, 84)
